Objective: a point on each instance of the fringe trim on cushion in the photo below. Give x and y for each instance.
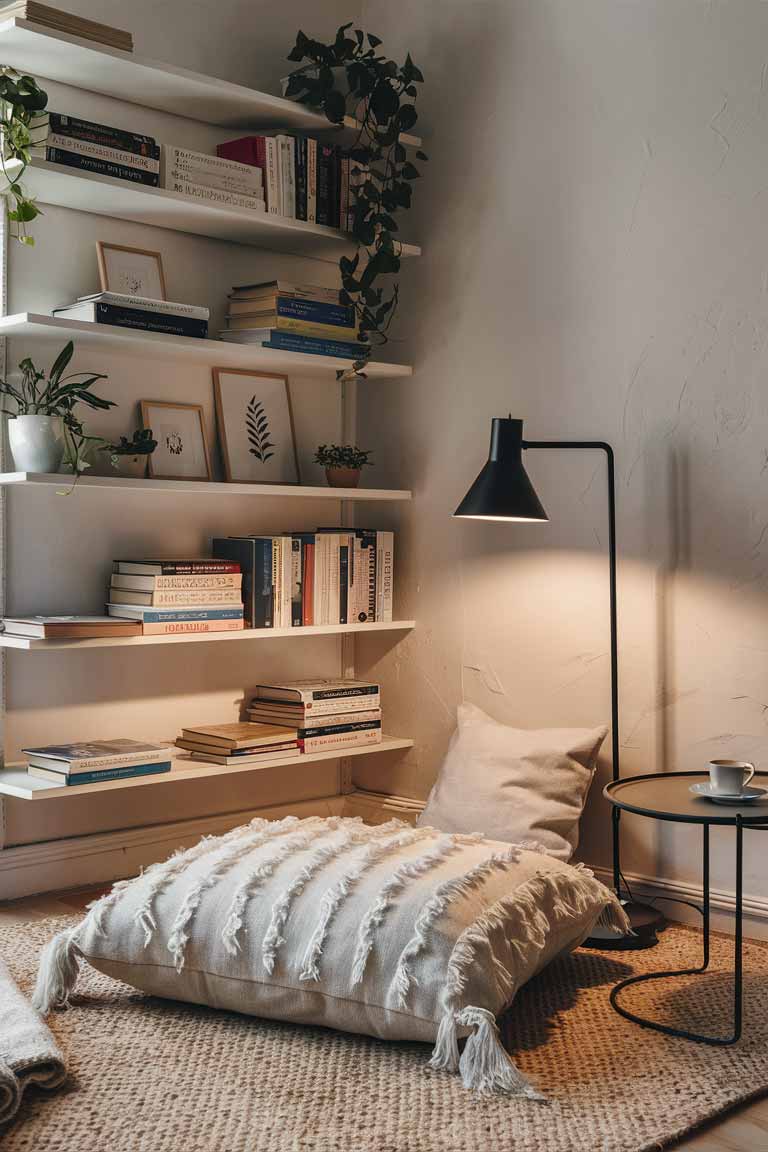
(177, 941)
(485, 1064)
(59, 968)
(444, 895)
(281, 909)
(337, 893)
(374, 917)
(257, 876)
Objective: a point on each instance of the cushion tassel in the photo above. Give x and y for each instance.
(59, 968)
(484, 1064)
(445, 1054)
(614, 917)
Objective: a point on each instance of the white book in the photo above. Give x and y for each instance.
(96, 152)
(321, 601)
(385, 546)
(143, 303)
(216, 195)
(287, 176)
(312, 180)
(201, 168)
(334, 581)
(178, 597)
(286, 581)
(274, 203)
(208, 580)
(340, 740)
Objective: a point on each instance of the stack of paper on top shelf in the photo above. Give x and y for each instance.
(69, 23)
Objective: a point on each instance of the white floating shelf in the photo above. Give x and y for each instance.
(28, 644)
(15, 781)
(66, 484)
(123, 200)
(32, 48)
(158, 346)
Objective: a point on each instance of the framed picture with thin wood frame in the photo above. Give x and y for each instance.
(131, 271)
(255, 422)
(182, 448)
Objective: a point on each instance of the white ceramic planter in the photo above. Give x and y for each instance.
(36, 442)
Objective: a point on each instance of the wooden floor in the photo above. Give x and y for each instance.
(743, 1131)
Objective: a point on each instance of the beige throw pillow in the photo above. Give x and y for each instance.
(514, 784)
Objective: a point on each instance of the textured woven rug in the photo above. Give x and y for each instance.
(158, 1076)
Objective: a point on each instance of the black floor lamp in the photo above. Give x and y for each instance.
(503, 491)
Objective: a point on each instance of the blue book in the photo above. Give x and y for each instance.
(69, 780)
(173, 615)
(316, 312)
(254, 555)
(292, 342)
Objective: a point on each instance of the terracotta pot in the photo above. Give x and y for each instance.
(343, 477)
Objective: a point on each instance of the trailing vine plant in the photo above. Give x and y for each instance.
(383, 94)
(22, 103)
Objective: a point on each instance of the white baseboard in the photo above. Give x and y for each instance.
(722, 903)
(55, 865)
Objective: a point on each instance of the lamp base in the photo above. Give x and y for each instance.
(645, 922)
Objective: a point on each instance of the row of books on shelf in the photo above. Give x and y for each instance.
(285, 720)
(332, 576)
(295, 177)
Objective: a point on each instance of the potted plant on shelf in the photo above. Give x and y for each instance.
(129, 457)
(331, 78)
(23, 123)
(45, 423)
(343, 464)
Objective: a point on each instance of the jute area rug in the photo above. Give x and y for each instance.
(158, 1076)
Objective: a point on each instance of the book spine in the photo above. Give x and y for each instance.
(308, 584)
(178, 615)
(189, 626)
(343, 192)
(324, 183)
(142, 304)
(98, 763)
(385, 550)
(335, 189)
(301, 177)
(102, 167)
(293, 342)
(286, 561)
(332, 729)
(277, 591)
(342, 740)
(150, 321)
(296, 327)
(321, 580)
(210, 567)
(182, 597)
(216, 195)
(102, 152)
(343, 580)
(296, 582)
(199, 167)
(265, 591)
(272, 149)
(315, 312)
(334, 578)
(205, 179)
(216, 580)
(368, 585)
(312, 180)
(336, 707)
(102, 134)
(287, 177)
(117, 774)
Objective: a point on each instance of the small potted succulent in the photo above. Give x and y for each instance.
(129, 457)
(343, 464)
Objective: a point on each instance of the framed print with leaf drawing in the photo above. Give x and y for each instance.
(131, 271)
(182, 449)
(255, 420)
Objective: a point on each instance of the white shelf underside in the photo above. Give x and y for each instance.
(158, 346)
(67, 485)
(15, 781)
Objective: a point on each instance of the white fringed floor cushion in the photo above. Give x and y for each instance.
(399, 932)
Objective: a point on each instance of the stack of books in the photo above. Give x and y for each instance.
(97, 761)
(212, 179)
(168, 597)
(68, 627)
(139, 312)
(328, 715)
(294, 318)
(91, 147)
(69, 23)
(247, 743)
(304, 179)
(331, 576)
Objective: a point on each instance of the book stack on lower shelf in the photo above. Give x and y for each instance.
(247, 743)
(212, 179)
(325, 715)
(169, 597)
(99, 148)
(294, 318)
(139, 312)
(97, 762)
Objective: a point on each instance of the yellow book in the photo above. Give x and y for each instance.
(289, 324)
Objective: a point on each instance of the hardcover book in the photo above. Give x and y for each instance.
(198, 566)
(69, 627)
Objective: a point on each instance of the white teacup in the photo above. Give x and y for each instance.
(730, 777)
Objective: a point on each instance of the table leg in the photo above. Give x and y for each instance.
(717, 1041)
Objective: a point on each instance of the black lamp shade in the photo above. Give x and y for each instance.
(503, 491)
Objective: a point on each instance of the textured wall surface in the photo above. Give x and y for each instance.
(594, 221)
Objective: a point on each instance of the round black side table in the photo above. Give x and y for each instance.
(667, 797)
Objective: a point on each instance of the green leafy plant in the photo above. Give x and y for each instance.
(142, 443)
(381, 176)
(342, 456)
(38, 393)
(21, 104)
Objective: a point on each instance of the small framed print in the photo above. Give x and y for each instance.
(255, 421)
(131, 271)
(182, 449)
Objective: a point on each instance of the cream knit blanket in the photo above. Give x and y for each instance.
(28, 1051)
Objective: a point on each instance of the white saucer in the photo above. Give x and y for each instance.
(748, 796)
